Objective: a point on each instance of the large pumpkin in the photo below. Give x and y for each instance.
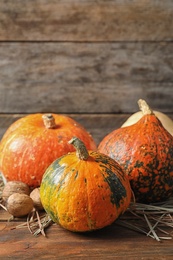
(84, 190)
(33, 142)
(145, 151)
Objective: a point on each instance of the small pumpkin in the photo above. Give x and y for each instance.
(33, 142)
(145, 151)
(84, 190)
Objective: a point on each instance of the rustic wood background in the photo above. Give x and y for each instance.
(90, 59)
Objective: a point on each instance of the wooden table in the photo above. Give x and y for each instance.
(113, 242)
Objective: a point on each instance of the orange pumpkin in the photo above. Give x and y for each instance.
(145, 151)
(33, 142)
(84, 190)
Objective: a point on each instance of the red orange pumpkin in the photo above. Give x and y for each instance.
(145, 151)
(33, 142)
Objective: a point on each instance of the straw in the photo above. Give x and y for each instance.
(155, 220)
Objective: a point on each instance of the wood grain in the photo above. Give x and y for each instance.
(75, 20)
(113, 242)
(85, 77)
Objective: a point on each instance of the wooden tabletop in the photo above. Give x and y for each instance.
(113, 242)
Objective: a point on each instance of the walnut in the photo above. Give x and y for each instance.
(19, 205)
(35, 196)
(14, 187)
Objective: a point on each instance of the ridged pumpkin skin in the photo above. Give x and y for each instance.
(28, 147)
(85, 195)
(145, 152)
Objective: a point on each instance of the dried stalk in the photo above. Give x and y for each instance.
(151, 220)
(2, 206)
(36, 224)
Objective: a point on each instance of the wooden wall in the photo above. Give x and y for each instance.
(85, 58)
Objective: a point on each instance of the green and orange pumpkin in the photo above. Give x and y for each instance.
(145, 152)
(84, 190)
(33, 142)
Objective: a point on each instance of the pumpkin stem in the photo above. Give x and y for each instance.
(80, 147)
(49, 121)
(144, 107)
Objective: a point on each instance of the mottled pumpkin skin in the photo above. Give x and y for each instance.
(28, 147)
(145, 151)
(85, 195)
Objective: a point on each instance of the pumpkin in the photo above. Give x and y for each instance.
(145, 151)
(165, 120)
(33, 142)
(84, 190)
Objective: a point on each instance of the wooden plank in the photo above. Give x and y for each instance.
(85, 77)
(113, 242)
(84, 20)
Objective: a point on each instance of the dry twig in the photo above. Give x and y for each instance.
(155, 221)
(36, 224)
